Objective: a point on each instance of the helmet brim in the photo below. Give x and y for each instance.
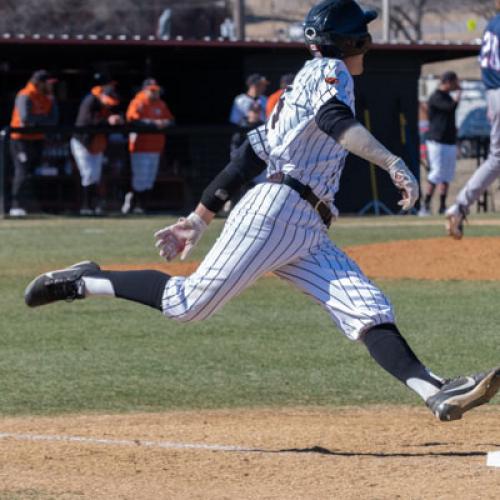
(370, 15)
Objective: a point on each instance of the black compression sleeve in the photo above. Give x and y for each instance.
(391, 351)
(145, 287)
(243, 167)
(334, 118)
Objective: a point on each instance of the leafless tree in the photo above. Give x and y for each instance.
(91, 16)
(484, 8)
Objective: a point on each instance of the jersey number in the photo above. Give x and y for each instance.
(489, 53)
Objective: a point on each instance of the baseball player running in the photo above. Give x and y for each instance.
(281, 226)
(489, 171)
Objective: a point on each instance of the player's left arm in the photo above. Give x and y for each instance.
(337, 120)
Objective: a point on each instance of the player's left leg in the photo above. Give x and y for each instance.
(86, 279)
(268, 228)
(364, 313)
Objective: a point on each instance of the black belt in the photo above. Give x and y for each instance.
(306, 193)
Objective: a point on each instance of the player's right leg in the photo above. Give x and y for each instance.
(482, 178)
(363, 313)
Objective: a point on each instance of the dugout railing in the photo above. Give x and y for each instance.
(191, 157)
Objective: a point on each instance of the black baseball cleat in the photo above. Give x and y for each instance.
(461, 394)
(65, 284)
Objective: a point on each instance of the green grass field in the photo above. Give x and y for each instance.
(269, 347)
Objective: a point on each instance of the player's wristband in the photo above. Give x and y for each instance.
(243, 167)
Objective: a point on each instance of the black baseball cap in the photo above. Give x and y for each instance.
(104, 79)
(287, 79)
(151, 84)
(255, 78)
(449, 76)
(42, 75)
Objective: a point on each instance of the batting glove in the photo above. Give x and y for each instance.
(180, 237)
(405, 181)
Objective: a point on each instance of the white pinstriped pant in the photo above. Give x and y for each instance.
(273, 230)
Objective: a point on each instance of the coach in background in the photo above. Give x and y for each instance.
(285, 81)
(97, 108)
(489, 171)
(147, 108)
(441, 140)
(256, 88)
(35, 105)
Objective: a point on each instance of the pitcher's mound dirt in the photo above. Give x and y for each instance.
(346, 453)
(430, 259)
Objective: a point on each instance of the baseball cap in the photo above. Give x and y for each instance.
(150, 84)
(42, 75)
(256, 78)
(104, 79)
(449, 76)
(287, 79)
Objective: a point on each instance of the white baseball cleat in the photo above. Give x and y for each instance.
(456, 215)
(17, 212)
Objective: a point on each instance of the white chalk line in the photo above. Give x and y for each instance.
(122, 442)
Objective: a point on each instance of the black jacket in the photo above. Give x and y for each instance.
(442, 125)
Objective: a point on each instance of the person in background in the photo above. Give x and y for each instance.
(489, 171)
(35, 105)
(441, 141)
(97, 108)
(286, 80)
(252, 120)
(147, 108)
(256, 87)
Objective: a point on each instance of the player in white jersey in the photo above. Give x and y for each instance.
(281, 226)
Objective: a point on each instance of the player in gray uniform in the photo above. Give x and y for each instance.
(281, 226)
(489, 171)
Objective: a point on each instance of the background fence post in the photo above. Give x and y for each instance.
(4, 136)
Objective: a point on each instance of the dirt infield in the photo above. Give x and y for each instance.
(428, 259)
(347, 453)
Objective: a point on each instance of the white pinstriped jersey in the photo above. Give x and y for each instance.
(295, 144)
(272, 229)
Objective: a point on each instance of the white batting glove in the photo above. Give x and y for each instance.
(405, 181)
(180, 237)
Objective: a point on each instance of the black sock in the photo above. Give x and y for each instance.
(139, 197)
(85, 197)
(442, 203)
(145, 287)
(427, 201)
(391, 351)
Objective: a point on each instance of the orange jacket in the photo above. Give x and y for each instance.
(99, 142)
(30, 109)
(272, 101)
(143, 108)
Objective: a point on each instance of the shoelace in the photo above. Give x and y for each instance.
(63, 289)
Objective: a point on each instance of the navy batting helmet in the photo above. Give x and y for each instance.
(338, 28)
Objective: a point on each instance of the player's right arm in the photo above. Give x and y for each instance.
(183, 236)
(336, 119)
